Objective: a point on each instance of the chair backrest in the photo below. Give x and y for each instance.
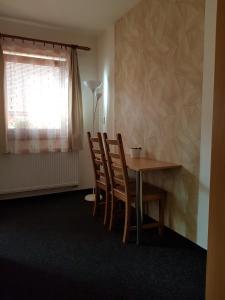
(116, 163)
(98, 159)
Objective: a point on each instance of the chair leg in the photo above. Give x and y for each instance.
(112, 212)
(126, 222)
(96, 200)
(107, 196)
(161, 216)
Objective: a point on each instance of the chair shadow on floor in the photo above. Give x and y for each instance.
(151, 238)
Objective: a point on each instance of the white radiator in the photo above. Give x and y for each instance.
(22, 173)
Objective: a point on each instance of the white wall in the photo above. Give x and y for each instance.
(106, 58)
(206, 122)
(88, 70)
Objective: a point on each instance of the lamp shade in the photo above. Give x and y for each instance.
(92, 84)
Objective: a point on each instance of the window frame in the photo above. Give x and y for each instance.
(27, 134)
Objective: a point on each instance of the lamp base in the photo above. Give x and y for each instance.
(90, 197)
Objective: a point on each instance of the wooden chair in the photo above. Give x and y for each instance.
(124, 190)
(101, 174)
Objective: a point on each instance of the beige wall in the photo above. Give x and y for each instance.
(88, 70)
(158, 96)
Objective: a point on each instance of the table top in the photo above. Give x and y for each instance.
(147, 164)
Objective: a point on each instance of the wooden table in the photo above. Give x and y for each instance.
(141, 165)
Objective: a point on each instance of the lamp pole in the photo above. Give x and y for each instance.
(93, 85)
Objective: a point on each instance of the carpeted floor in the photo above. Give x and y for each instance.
(52, 248)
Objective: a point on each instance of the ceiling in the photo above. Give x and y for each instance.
(93, 15)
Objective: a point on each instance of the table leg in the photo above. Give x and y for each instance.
(141, 199)
(138, 207)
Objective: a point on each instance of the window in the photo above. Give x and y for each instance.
(36, 95)
(41, 99)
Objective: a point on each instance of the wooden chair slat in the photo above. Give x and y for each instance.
(98, 161)
(117, 168)
(97, 151)
(114, 155)
(97, 156)
(94, 140)
(112, 142)
(102, 174)
(119, 181)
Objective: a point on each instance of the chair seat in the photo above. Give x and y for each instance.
(147, 189)
(152, 192)
(149, 192)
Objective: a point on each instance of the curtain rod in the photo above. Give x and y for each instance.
(45, 42)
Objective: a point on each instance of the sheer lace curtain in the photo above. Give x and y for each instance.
(3, 130)
(39, 102)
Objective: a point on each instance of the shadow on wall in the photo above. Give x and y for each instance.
(181, 210)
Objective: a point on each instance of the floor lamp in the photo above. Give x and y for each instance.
(93, 85)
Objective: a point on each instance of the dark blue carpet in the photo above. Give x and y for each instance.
(52, 248)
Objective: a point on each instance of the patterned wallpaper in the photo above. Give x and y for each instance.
(158, 93)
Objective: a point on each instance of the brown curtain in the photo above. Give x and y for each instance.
(3, 139)
(75, 104)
